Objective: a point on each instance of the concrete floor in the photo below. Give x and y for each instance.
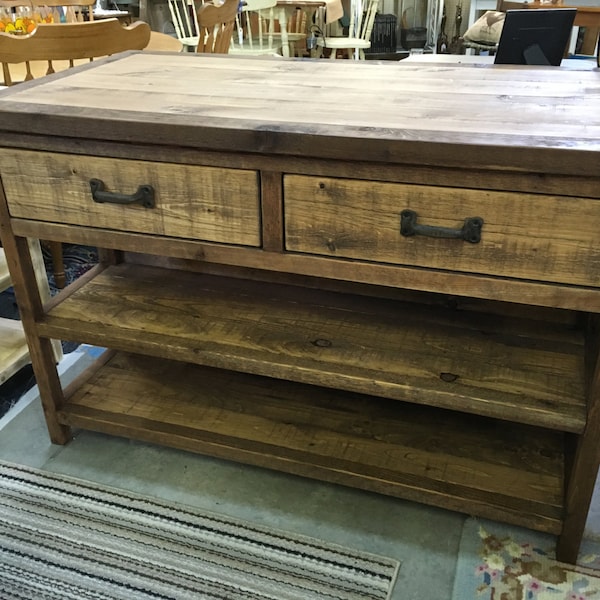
(426, 540)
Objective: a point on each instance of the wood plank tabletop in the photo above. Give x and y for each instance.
(385, 111)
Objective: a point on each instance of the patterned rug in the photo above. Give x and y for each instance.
(499, 562)
(63, 538)
(77, 259)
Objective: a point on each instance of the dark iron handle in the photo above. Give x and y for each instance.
(469, 232)
(143, 196)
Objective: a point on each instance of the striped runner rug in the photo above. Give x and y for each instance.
(65, 538)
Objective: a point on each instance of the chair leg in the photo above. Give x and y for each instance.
(58, 264)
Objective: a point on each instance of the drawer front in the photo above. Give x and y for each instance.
(526, 236)
(192, 202)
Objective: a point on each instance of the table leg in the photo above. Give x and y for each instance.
(317, 17)
(283, 26)
(144, 14)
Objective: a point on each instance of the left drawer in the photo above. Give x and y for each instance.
(193, 202)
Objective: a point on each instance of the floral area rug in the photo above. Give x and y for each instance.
(500, 562)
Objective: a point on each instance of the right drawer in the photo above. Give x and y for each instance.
(526, 236)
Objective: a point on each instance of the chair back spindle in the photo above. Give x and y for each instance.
(185, 21)
(215, 26)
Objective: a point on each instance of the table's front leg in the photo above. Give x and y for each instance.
(316, 18)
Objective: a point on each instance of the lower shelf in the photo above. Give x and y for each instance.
(481, 466)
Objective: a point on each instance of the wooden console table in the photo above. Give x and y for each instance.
(380, 275)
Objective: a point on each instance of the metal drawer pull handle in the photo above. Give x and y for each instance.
(470, 231)
(143, 196)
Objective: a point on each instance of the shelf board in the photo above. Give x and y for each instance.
(473, 464)
(502, 367)
(14, 353)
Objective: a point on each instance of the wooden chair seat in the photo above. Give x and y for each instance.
(163, 42)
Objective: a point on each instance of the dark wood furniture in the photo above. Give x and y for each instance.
(381, 275)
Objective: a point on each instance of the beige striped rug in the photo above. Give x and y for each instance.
(68, 539)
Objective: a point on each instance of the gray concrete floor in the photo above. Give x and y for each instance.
(426, 540)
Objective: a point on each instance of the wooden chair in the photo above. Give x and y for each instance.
(55, 47)
(163, 42)
(215, 26)
(359, 38)
(255, 29)
(68, 42)
(185, 21)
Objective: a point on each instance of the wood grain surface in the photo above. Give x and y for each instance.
(509, 368)
(514, 473)
(526, 236)
(274, 313)
(206, 203)
(456, 114)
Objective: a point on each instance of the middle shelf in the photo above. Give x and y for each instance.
(488, 364)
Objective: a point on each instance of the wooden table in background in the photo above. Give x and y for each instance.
(589, 17)
(574, 64)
